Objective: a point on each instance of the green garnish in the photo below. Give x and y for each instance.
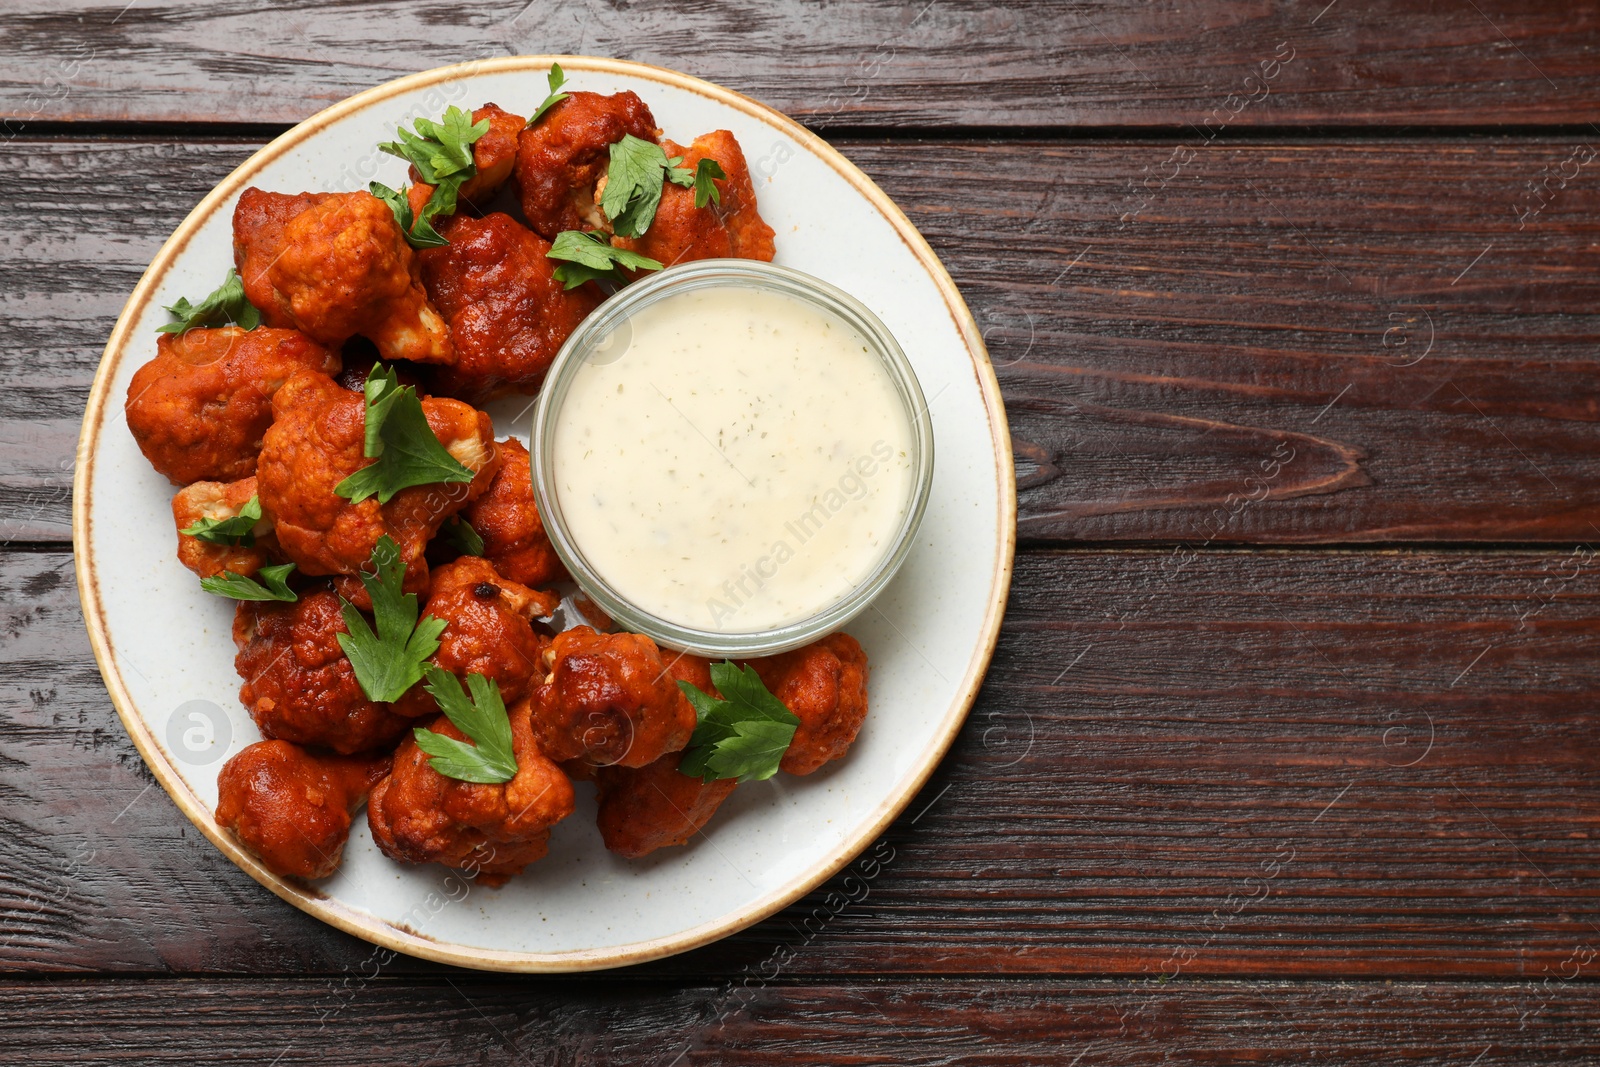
(677, 173)
(633, 184)
(554, 81)
(705, 189)
(589, 257)
(399, 437)
(489, 759)
(442, 154)
(419, 231)
(226, 304)
(234, 531)
(238, 587)
(459, 534)
(388, 662)
(743, 735)
(440, 150)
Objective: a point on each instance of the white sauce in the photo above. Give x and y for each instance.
(743, 464)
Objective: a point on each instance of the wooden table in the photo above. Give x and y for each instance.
(1288, 752)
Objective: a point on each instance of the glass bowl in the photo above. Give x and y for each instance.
(604, 337)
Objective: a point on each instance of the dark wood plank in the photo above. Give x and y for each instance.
(383, 1021)
(1288, 342)
(1279, 763)
(939, 63)
(1291, 342)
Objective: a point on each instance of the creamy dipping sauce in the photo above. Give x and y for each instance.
(742, 464)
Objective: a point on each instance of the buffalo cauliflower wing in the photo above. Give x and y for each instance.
(507, 313)
(562, 157)
(220, 500)
(492, 831)
(506, 516)
(732, 227)
(317, 441)
(488, 630)
(291, 809)
(336, 265)
(298, 684)
(646, 808)
(609, 699)
(825, 685)
(199, 409)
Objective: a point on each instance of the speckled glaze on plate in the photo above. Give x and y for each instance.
(165, 649)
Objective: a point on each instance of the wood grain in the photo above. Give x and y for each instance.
(929, 64)
(1272, 763)
(465, 1020)
(1284, 342)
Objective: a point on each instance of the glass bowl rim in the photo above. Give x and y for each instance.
(710, 273)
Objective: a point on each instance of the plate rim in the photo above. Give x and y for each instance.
(372, 928)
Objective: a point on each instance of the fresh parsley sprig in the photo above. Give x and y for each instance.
(237, 530)
(238, 587)
(439, 150)
(633, 184)
(389, 661)
(399, 438)
(490, 759)
(744, 734)
(442, 153)
(419, 230)
(459, 534)
(225, 304)
(589, 257)
(705, 189)
(555, 81)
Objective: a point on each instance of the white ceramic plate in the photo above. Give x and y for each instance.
(165, 649)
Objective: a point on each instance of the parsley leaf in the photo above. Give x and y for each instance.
(459, 534)
(388, 662)
(238, 587)
(678, 174)
(442, 154)
(419, 231)
(589, 257)
(237, 530)
(705, 189)
(439, 150)
(556, 80)
(226, 304)
(744, 734)
(399, 437)
(633, 184)
(490, 759)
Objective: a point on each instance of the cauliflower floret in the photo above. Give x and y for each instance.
(609, 699)
(563, 155)
(291, 809)
(682, 232)
(199, 408)
(489, 630)
(508, 315)
(646, 808)
(420, 816)
(220, 500)
(825, 684)
(337, 267)
(298, 684)
(317, 441)
(507, 518)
